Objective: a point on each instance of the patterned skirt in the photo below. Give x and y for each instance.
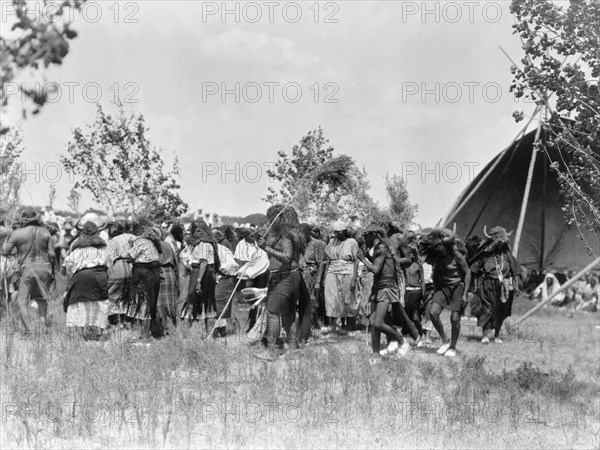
(88, 314)
(119, 283)
(200, 306)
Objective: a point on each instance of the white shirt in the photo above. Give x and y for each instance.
(245, 250)
(87, 257)
(228, 264)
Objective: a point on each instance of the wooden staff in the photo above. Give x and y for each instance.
(564, 287)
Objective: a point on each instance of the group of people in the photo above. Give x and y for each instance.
(393, 281)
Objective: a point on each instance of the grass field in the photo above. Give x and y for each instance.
(539, 389)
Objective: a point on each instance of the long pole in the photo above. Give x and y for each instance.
(564, 287)
(526, 193)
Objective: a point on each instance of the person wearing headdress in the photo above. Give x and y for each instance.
(35, 259)
(287, 293)
(119, 272)
(388, 292)
(495, 271)
(145, 253)
(340, 267)
(451, 281)
(202, 260)
(86, 301)
(313, 257)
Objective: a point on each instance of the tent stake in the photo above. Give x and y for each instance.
(564, 287)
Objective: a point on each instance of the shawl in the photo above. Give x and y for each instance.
(89, 236)
(199, 232)
(144, 228)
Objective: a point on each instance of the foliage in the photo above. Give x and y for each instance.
(40, 39)
(400, 207)
(10, 172)
(113, 159)
(324, 187)
(51, 195)
(562, 59)
(313, 197)
(73, 200)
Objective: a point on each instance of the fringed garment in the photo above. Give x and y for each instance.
(200, 306)
(145, 285)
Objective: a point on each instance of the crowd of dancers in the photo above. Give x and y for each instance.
(300, 281)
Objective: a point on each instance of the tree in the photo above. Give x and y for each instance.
(73, 200)
(324, 187)
(10, 172)
(562, 60)
(318, 184)
(38, 39)
(113, 159)
(400, 207)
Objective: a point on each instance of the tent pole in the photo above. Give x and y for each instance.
(564, 287)
(460, 202)
(526, 193)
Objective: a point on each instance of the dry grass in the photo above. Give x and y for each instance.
(540, 389)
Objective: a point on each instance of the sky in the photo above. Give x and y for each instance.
(417, 89)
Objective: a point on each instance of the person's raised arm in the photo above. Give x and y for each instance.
(379, 254)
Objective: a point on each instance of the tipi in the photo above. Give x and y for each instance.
(502, 195)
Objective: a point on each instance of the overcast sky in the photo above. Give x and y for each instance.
(399, 89)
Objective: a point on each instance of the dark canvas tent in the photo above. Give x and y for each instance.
(496, 196)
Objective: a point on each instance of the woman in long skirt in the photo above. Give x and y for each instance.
(226, 281)
(341, 268)
(86, 300)
(145, 253)
(166, 306)
(119, 272)
(202, 262)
